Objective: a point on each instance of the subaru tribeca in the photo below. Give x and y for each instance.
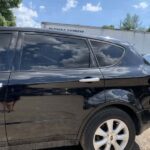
(62, 89)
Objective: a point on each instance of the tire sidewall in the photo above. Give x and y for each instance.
(102, 117)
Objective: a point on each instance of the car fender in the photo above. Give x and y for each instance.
(111, 98)
(113, 95)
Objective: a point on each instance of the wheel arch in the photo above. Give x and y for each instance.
(130, 110)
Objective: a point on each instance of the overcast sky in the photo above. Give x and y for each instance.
(84, 12)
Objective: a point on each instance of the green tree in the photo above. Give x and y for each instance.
(112, 27)
(131, 22)
(148, 30)
(6, 15)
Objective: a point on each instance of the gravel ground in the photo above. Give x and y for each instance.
(144, 140)
(142, 143)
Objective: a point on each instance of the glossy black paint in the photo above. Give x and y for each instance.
(52, 103)
(52, 107)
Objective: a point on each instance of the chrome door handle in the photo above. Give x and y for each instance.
(1, 85)
(89, 80)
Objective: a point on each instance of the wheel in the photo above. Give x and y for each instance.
(109, 129)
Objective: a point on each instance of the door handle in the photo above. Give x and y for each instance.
(89, 80)
(1, 85)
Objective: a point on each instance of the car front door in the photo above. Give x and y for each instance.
(54, 77)
(7, 43)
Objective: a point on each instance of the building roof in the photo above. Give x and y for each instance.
(18, 29)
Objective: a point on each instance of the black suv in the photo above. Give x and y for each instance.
(60, 89)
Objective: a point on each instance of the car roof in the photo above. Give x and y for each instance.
(40, 30)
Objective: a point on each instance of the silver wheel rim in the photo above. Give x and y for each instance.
(113, 134)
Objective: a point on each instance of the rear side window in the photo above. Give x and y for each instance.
(5, 40)
(42, 52)
(107, 54)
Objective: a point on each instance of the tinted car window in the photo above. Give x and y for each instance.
(107, 54)
(5, 40)
(50, 52)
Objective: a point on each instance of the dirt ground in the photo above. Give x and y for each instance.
(144, 140)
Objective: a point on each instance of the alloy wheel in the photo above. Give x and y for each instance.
(112, 134)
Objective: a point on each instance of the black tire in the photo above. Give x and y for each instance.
(100, 118)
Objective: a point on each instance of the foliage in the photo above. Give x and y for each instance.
(131, 22)
(112, 27)
(6, 15)
(148, 30)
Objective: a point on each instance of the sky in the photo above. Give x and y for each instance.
(82, 12)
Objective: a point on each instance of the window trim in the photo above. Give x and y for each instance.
(110, 43)
(23, 34)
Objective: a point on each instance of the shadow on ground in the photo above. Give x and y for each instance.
(136, 147)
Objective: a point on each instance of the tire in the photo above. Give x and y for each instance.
(123, 132)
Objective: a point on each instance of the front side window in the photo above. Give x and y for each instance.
(5, 40)
(107, 54)
(53, 52)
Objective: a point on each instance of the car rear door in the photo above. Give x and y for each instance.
(7, 44)
(49, 88)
